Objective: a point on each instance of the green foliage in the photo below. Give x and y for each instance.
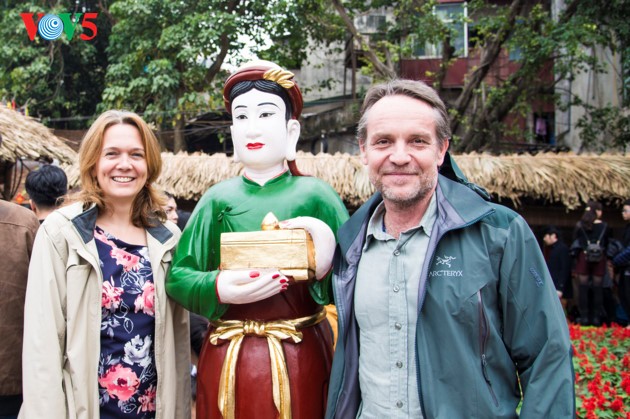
(544, 49)
(161, 54)
(304, 26)
(56, 79)
(604, 127)
(166, 55)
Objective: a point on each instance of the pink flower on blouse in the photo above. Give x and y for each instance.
(103, 238)
(120, 382)
(126, 259)
(110, 296)
(147, 400)
(146, 300)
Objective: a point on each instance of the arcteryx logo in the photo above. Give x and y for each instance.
(446, 260)
(51, 26)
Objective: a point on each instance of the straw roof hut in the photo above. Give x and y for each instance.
(24, 138)
(562, 179)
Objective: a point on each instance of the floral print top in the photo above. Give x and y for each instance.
(127, 375)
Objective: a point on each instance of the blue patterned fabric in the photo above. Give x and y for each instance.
(127, 374)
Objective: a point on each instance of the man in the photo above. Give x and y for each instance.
(18, 226)
(622, 262)
(171, 208)
(558, 260)
(444, 300)
(45, 186)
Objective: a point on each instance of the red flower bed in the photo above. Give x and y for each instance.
(601, 361)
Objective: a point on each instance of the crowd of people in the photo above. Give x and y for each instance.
(447, 306)
(591, 275)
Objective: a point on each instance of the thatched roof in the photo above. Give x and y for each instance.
(567, 179)
(24, 137)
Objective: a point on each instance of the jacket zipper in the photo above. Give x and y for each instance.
(421, 302)
(483, 338)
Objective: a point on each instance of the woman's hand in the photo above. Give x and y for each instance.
(323, 240)
(248, 286)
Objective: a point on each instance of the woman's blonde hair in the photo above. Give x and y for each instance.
(147, 205)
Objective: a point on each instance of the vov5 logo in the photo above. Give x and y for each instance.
(51, 26)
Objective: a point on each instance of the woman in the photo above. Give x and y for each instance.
(589, 231)
(275, 355)
(101, 338)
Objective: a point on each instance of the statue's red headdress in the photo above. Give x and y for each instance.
(264, 70)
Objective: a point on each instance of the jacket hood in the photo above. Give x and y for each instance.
(451, 171)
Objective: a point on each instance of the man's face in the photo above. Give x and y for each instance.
(171, 210)
(401, 150)
(625, 212)
(550, 238)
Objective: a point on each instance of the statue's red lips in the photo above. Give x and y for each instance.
(255, 146)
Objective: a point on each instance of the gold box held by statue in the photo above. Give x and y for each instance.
(290, 251)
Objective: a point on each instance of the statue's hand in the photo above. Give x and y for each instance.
(248, 286)
(323, 239)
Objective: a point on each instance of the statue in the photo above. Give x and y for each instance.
(268, 351)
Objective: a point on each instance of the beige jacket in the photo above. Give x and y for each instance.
(62, 322)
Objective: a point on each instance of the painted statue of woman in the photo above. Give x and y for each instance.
(268, 351)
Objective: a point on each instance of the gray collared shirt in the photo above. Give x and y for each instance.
(386, 308)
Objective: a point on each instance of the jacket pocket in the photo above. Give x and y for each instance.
(484, 332)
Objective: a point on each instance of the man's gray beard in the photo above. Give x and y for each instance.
(428, 183)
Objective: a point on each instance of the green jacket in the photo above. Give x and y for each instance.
(488, 316)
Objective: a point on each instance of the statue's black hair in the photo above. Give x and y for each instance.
(266, 86)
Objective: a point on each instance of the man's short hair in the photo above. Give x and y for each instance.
(414, 89)
(46, 185)
(552, 230)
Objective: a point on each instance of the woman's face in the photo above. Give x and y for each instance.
(121, 170)
(261, 135)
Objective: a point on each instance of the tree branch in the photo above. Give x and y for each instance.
(524, 80)
(380, 68)
(489, 55)
(104, 8)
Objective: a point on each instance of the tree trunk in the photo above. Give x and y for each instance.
(448, 51)
(179, 143)
(379, 67)
(489, 55)
(523, 81)
(161, 140)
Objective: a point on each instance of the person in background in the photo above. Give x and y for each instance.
(622, 263)
(18, 227)
(558, 260)
(46, 187)
(446, 307)
(101, 337)
(171, 208)
(590, 274)
(609, 298)
(598, 208)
